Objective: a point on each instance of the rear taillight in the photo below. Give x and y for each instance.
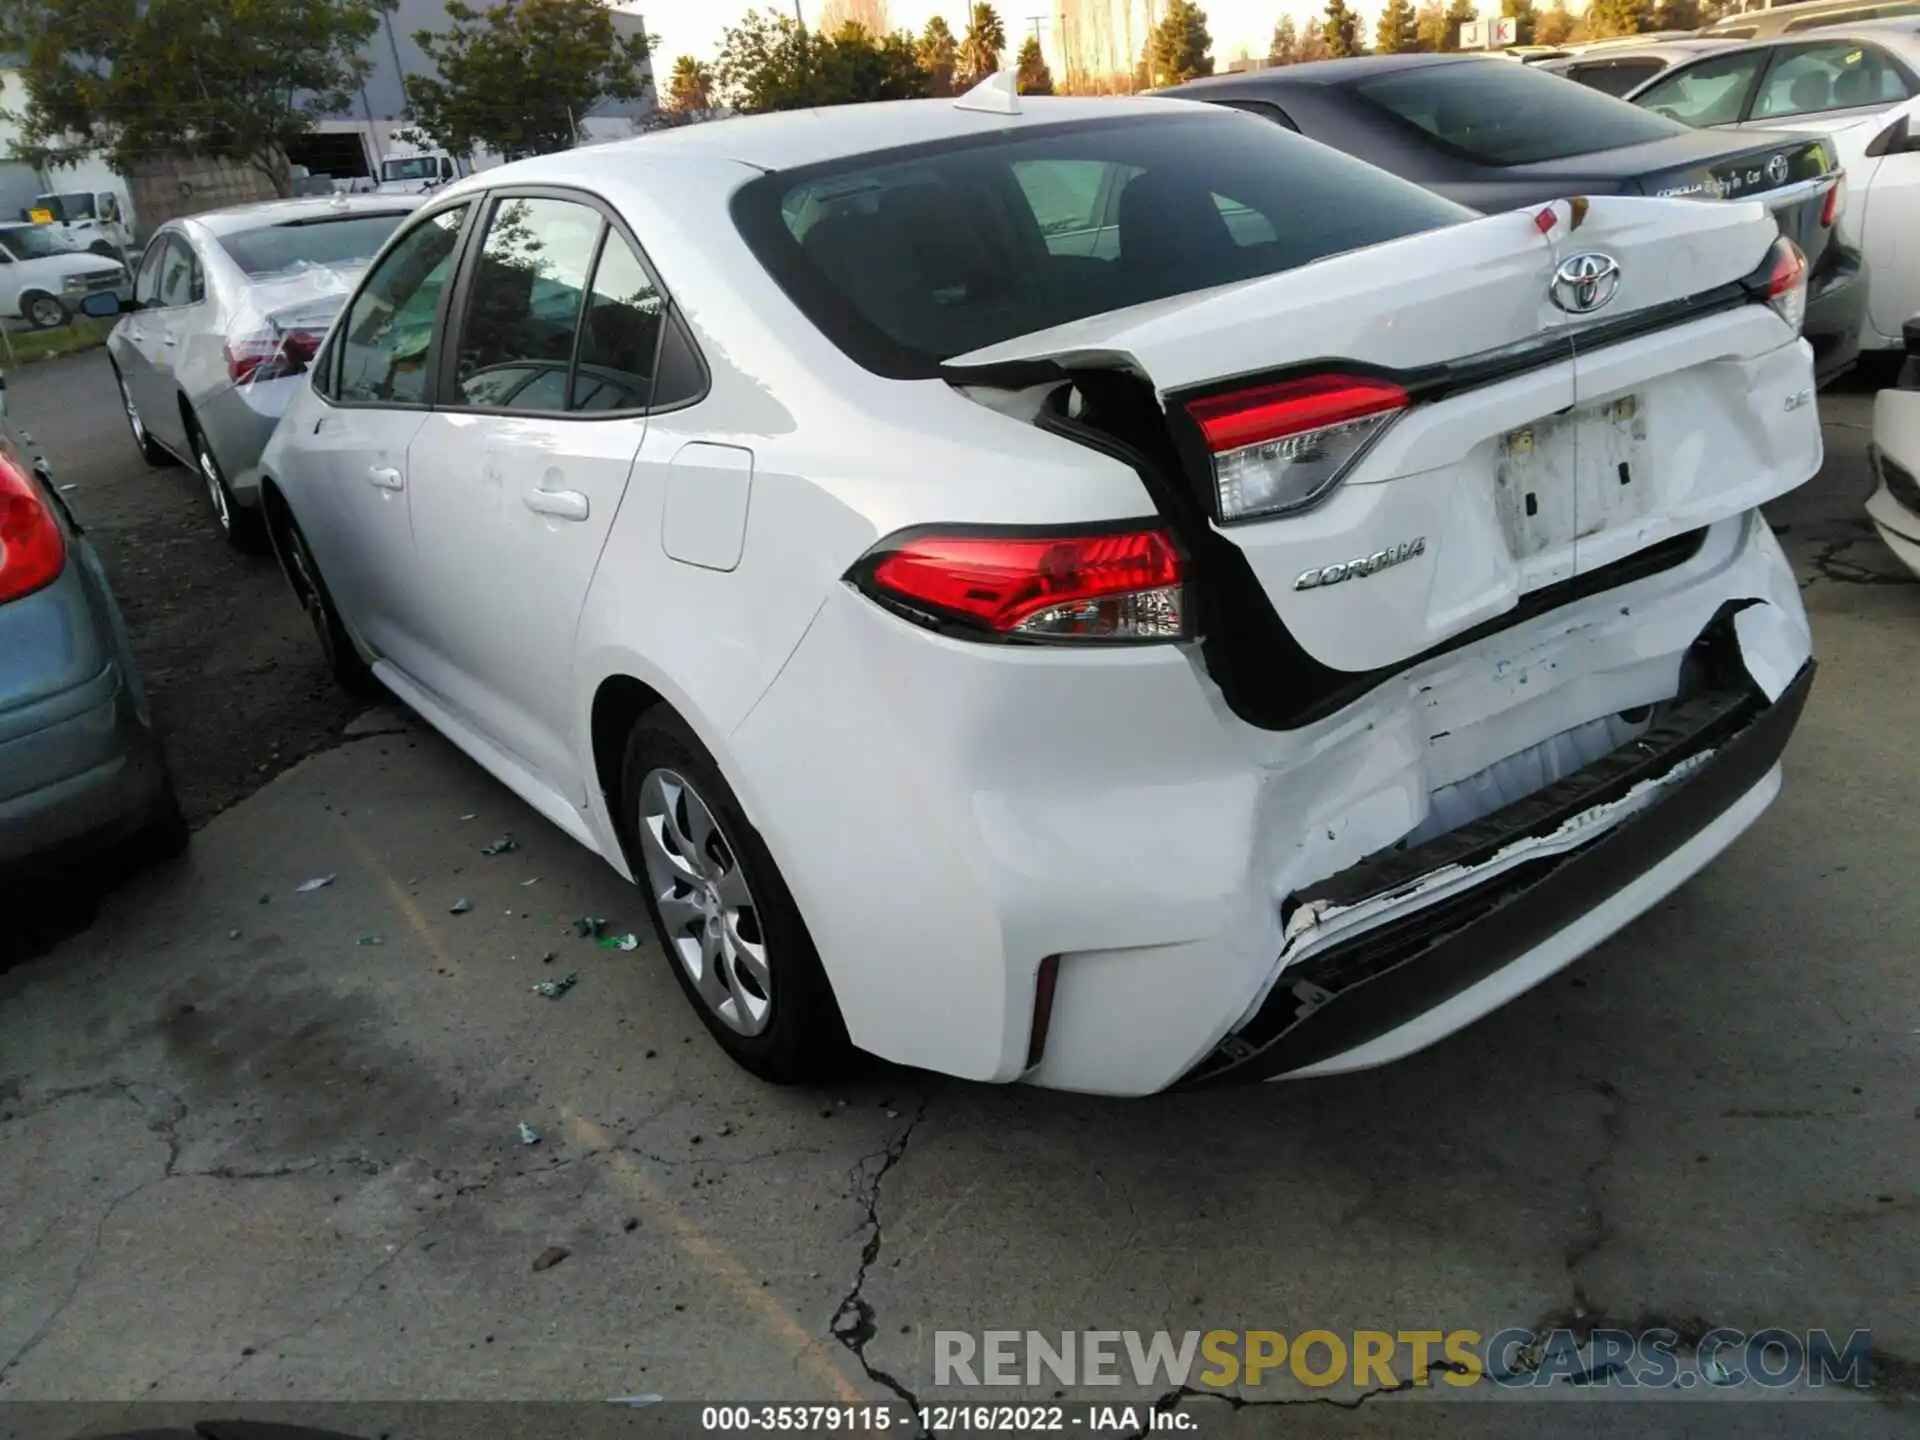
(272, 356)
(1781, 281)
(1021, 585)
(1836, 201)
(1282, 447)
(32, 550)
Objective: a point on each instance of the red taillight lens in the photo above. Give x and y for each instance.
(1787, 282)
(1125, 585)
(32, 550)
(1836, 201)
(1282, 447)
(272, 356)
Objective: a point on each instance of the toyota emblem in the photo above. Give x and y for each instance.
(1584, 283)
(1777, 170)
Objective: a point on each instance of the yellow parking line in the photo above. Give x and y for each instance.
(824, 1363)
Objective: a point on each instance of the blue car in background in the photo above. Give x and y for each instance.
(81, 770)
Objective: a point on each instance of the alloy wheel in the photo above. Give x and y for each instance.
(707, 910)
(310, 597)
(46, 313)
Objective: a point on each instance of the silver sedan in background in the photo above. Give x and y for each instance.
(229, 308)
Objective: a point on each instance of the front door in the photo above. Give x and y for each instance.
(163, 293)
(351, 501)
(517, 475)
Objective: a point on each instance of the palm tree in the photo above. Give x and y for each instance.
(986, 38)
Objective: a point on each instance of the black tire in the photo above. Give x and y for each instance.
(43, 311)
(151, 450)
(349, 671)
(245, 530)
(805, 1040)
(167, 835)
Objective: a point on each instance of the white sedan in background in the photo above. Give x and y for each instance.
(228, 309)
(1257, 651)
(1895, 506)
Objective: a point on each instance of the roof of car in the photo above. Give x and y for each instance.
(1327, 72)
(789, 138)
(1671, 50)
(281, 212)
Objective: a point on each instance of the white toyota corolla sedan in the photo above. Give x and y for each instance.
(1249, 627)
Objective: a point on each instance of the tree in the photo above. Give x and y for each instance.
(1554, 26)
(519, 76)
(1431, 20)
(1284, 49)
(1398, 30)
(1525, 19)
(1459, 12)
(985, 41)
(1180, 49)
(1678, 15)
(854, 66)
(129, 79)
(1035, 77)
(1313, 44)
(690, 91)
(939, 55)
(1342, 29)
(1617, 17)
(869, 15)
(769, 62)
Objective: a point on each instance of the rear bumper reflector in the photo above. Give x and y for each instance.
(1362, 988)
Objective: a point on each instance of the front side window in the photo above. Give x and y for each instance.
(523, 307)
(1709, 93)
(146, 285)
(1828, 75)
(907, 258)
(388, 331)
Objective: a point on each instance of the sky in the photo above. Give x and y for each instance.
(693, 27)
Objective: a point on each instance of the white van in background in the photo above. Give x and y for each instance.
(99, 221)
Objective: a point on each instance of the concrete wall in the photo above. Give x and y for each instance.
(169, 188)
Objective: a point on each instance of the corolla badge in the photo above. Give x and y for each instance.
(1361, 566)
(1777, 170)
(1584, 283)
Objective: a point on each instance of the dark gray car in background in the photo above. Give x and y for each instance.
(81, 770)
(1494, 135)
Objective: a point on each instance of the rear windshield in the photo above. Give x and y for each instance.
(1496, 113)
(906, 258)
(347, 240)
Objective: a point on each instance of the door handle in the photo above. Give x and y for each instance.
(561, 504)
(385, 477)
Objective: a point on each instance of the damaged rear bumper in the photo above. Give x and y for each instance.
(1401, 949)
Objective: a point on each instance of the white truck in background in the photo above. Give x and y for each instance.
(97, 221)
(413, 172)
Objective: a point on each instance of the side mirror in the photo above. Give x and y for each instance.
(1897, 139)
(102, 305)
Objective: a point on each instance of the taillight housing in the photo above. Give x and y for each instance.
(1781, 282)
(33, 550)
(1282, 447)
(1039, 586)
(1836, 201)
(271, 356)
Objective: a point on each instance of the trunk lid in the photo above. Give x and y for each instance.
(1503, 474)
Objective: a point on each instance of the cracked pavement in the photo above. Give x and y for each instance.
(246, 1157)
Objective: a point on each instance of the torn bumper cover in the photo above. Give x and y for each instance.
(1640, 803)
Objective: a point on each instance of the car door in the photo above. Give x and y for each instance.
(1883, 164)
(161, 324)
(1826, 85)
(517, 475)
(351, 495)
(138, 353)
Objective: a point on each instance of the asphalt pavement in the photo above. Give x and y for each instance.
(265, 1144)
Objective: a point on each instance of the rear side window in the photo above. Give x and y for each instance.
(348, 240)
(1712, 92)
(1616, 77)
(907, 258)
(388, 331)
(1493, 112)
(1828, 75)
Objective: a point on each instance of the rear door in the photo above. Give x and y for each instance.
(517, 475)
